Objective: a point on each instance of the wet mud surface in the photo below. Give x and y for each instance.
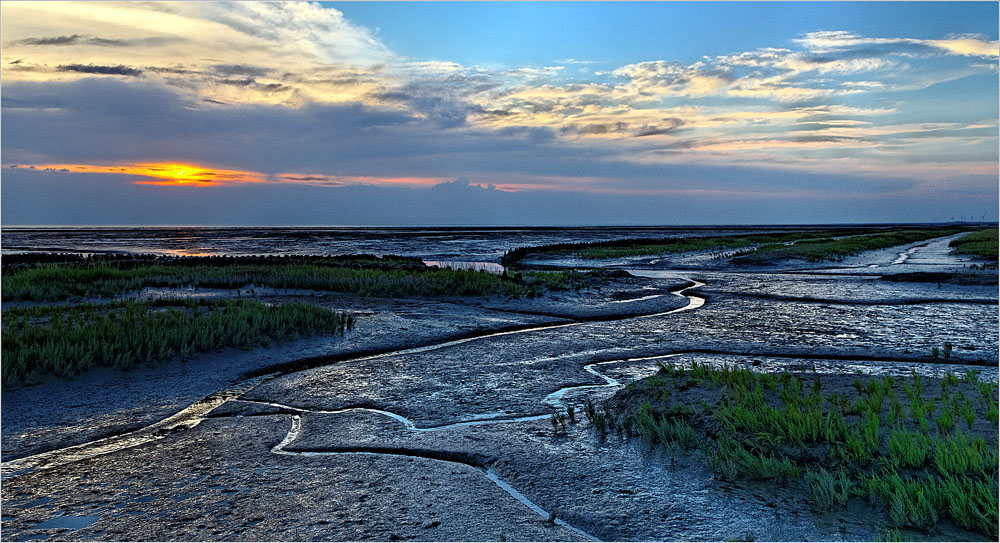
(105, 402)
(452, 440)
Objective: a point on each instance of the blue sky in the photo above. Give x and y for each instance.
(498, 113)
(618, 33)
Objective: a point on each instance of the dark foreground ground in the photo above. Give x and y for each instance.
(433, 420)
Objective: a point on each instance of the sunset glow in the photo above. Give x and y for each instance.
(193, 175)
(160, 173)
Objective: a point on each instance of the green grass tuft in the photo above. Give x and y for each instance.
(828, 490)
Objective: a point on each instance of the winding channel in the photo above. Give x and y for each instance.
(483, 466)
(195, 413)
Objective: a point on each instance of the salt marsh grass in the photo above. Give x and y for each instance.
(54, 282)
(894, 441)
(982, 244)
(363, 275)
(67, 339)
(815, 246)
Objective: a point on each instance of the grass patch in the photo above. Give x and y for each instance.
(67, 339)
(361, 275)
(919, 448)
(982, 244)
(561, 279)
(838, 249)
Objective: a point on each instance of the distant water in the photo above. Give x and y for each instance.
(437, 243)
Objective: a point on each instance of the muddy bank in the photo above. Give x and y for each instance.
(625, 296)
(847, 289)
(221, 481)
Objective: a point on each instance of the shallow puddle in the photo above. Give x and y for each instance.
(67, 522)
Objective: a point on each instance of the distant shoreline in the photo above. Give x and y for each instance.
(471, 226)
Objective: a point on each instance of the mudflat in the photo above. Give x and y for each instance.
(464, 417)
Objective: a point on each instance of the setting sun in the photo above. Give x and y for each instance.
(164, 173)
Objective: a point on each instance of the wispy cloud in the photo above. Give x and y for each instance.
(98, 69)
(839, 41)
(78, 40)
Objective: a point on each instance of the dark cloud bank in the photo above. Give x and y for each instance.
(36, 197)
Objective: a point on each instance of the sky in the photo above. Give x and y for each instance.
(561, 113)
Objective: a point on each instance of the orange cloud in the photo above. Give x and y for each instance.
(192, 175)
(164, 173)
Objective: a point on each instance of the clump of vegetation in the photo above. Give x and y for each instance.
(603, 419)
(890, 534)
(944, 351)
(66, 339)
(669, 430)
(893, 441)
(829, 490)
(982, 244)
(534, 281)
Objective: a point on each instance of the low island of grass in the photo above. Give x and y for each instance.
(363, 276)
(922, 450)
(58, 277)
(983, 244)
(810, 245)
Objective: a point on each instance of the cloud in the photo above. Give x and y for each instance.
(357, 144)
(103, 70)
(227, 70)
(842, 41)
(84, 40)
(280, 43)
(303, 27)
(574, 61)
(298, 53)
(351, 140)
(670, 124)
(57, 40)
(657, 78)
